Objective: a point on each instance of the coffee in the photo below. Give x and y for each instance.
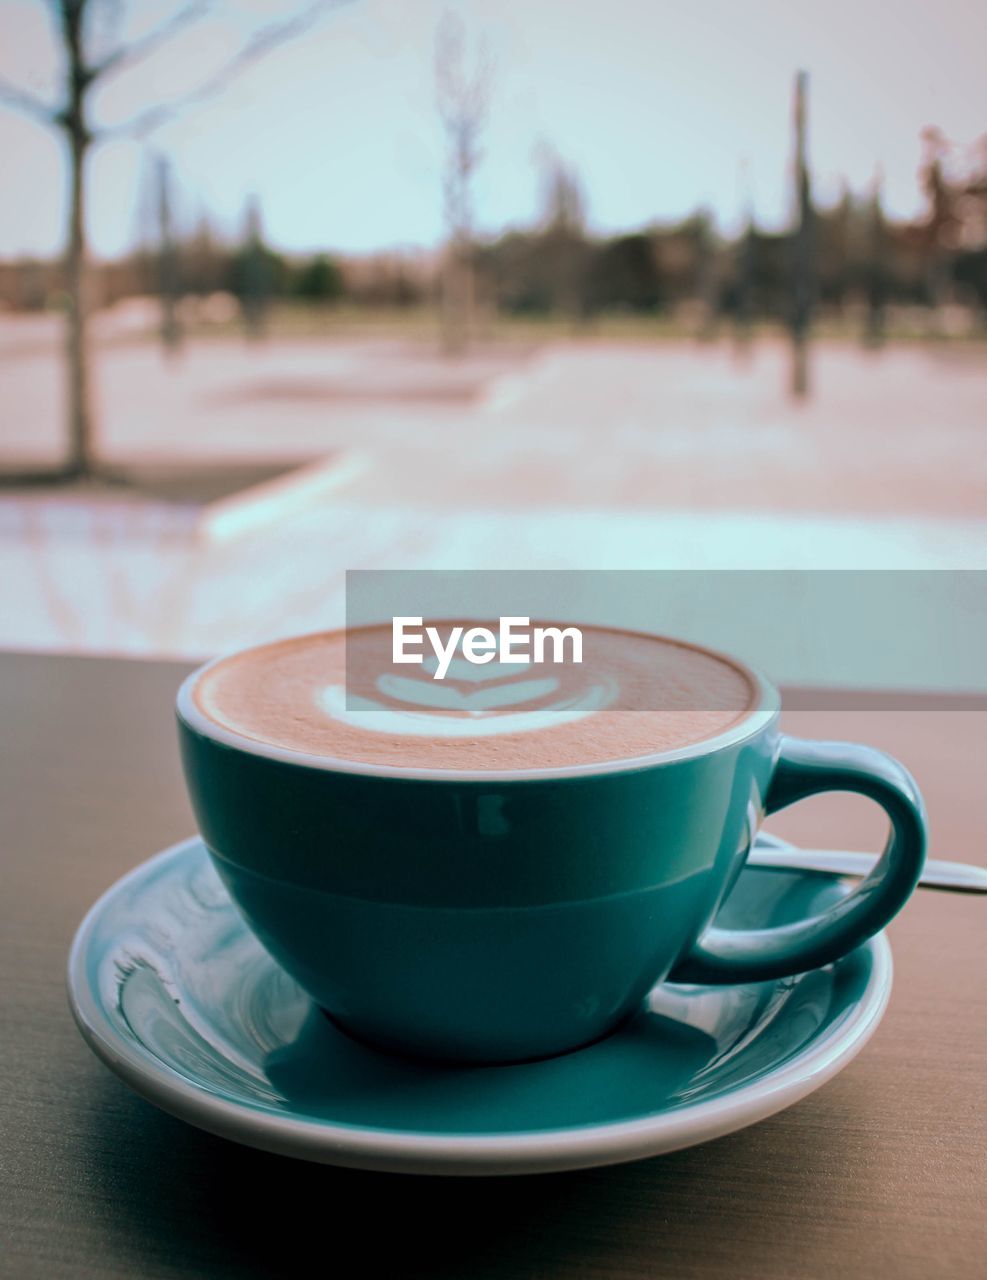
(338, 695)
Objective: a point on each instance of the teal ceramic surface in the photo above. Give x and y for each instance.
(177, 996)
(503, 916)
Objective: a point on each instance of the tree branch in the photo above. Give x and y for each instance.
(21, 100)
(263, 41)
(143, 47)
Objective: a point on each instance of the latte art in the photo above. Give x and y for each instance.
(340, 696)
(492, 699)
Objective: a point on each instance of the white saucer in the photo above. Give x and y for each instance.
(174, 993)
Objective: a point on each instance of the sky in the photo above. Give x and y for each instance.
(660, 106)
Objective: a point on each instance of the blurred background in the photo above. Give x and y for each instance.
(289, 289)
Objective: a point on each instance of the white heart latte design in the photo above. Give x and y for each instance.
(480, 712)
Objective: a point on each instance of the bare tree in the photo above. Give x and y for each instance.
(462, 94)
(802, 282)
(81, 27)
(563, 248)
(707, 284)
(255, 277)
(941, 222)
(745, 269)
(876, 270)
(168, 270)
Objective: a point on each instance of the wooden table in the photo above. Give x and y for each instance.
(881, 1173)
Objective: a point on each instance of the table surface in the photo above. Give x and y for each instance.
(880, 1173)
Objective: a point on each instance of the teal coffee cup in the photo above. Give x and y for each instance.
(511, 915)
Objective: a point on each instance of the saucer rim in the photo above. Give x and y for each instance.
(478, 1154)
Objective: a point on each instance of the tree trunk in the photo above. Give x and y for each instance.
(73, 120)
(168, 282)
(877, 276)
(457, 296)
(80, 456)
(802, 266)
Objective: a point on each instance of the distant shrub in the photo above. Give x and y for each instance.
(318, 280)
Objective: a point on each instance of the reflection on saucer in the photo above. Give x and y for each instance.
(176, 995)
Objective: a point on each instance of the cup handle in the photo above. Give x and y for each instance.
(803, 768)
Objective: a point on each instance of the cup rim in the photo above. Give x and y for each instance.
(765, 709)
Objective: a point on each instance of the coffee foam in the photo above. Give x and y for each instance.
(304, 695)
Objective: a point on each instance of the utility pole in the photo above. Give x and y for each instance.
(802, 289)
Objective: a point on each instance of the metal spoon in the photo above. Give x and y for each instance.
(960, 877)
